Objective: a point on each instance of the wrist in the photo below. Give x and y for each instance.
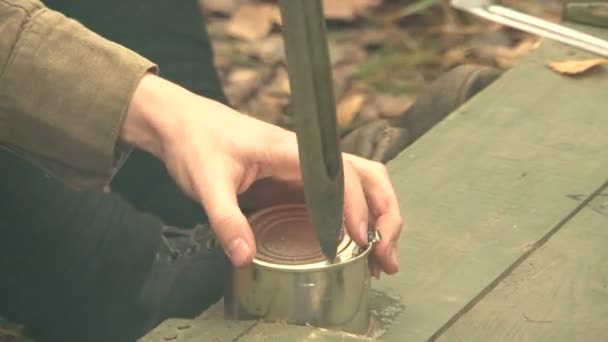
(146, 123)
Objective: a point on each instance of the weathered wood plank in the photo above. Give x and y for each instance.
(486, 184)
(187, 330)
(281, 332)
(560, 293)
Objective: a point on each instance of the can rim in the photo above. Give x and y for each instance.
(349, 246)
(316, 266)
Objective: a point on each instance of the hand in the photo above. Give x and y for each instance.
(215, 154)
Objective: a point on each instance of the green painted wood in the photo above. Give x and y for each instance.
(560, 293)
(207, 330)
(482, 188)
(282, 333)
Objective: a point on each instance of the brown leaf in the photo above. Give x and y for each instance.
(280, 83)
(363, 5)
(220, 6)
(506, 57)
(349, 107)
(241, 83)
(575, 67)
(270, 50)
(393, 106)
(340, 9)
(254, 21)
(345, 52)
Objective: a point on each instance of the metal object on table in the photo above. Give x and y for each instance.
(489, 10)
(587, 12)
(310, 78)
(291, 281)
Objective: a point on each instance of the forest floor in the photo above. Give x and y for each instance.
(383, 52)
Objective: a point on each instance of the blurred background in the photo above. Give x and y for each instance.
(383, 51)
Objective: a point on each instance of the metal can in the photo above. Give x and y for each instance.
(291, 281)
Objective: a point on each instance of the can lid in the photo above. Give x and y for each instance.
(285, 236)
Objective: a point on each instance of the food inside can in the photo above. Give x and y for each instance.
(285, 237)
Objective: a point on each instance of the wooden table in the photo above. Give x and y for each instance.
(506, 203)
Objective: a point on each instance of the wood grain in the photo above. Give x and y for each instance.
(560, 293)
(208, 330)
(282, 333)
(487, 184)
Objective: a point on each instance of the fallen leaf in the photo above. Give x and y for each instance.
(280, 83)
(393, 106)
(254, 21)
(349, 107)
(363, 5)
(506, 57)
(270, 50)
(220, 6)
(370, 111)
(345, 52)
(340, 9)
(575, 67)
(342, 76)
(241, 83)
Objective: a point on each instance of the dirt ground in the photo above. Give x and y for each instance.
(383, 51)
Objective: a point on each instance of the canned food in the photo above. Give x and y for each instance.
(291, 281)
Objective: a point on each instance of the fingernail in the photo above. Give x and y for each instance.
(363, 230)
(391, 255)
(238, 252)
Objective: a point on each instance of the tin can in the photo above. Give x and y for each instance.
(291, 281)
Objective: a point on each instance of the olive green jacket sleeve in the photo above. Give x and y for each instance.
(63, 93)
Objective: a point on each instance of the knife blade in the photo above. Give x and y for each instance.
(310, 79)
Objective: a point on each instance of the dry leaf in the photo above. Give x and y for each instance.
(345, 52)
(270, 50)
(506, 57)
(363, 5)
(574, 67)
(349, 107)
(394, 106)
(340, 9)
(254, 21)
(241, 83)
(280, 83)
(220, 6)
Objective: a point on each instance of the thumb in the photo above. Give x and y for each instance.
(227, 220)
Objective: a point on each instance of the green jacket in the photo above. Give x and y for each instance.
(64, 91)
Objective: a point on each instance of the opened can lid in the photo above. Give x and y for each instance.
(285, 238)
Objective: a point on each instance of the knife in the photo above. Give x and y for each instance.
(310, 79)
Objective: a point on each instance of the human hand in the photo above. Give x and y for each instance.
(215, 154)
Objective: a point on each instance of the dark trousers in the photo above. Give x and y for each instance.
(72, 263)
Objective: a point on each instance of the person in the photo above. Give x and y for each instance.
(123, 93)
(79, 264)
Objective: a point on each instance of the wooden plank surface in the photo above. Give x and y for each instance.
(560, 293)
(487, 184)
(282, 333)
(187, 330)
